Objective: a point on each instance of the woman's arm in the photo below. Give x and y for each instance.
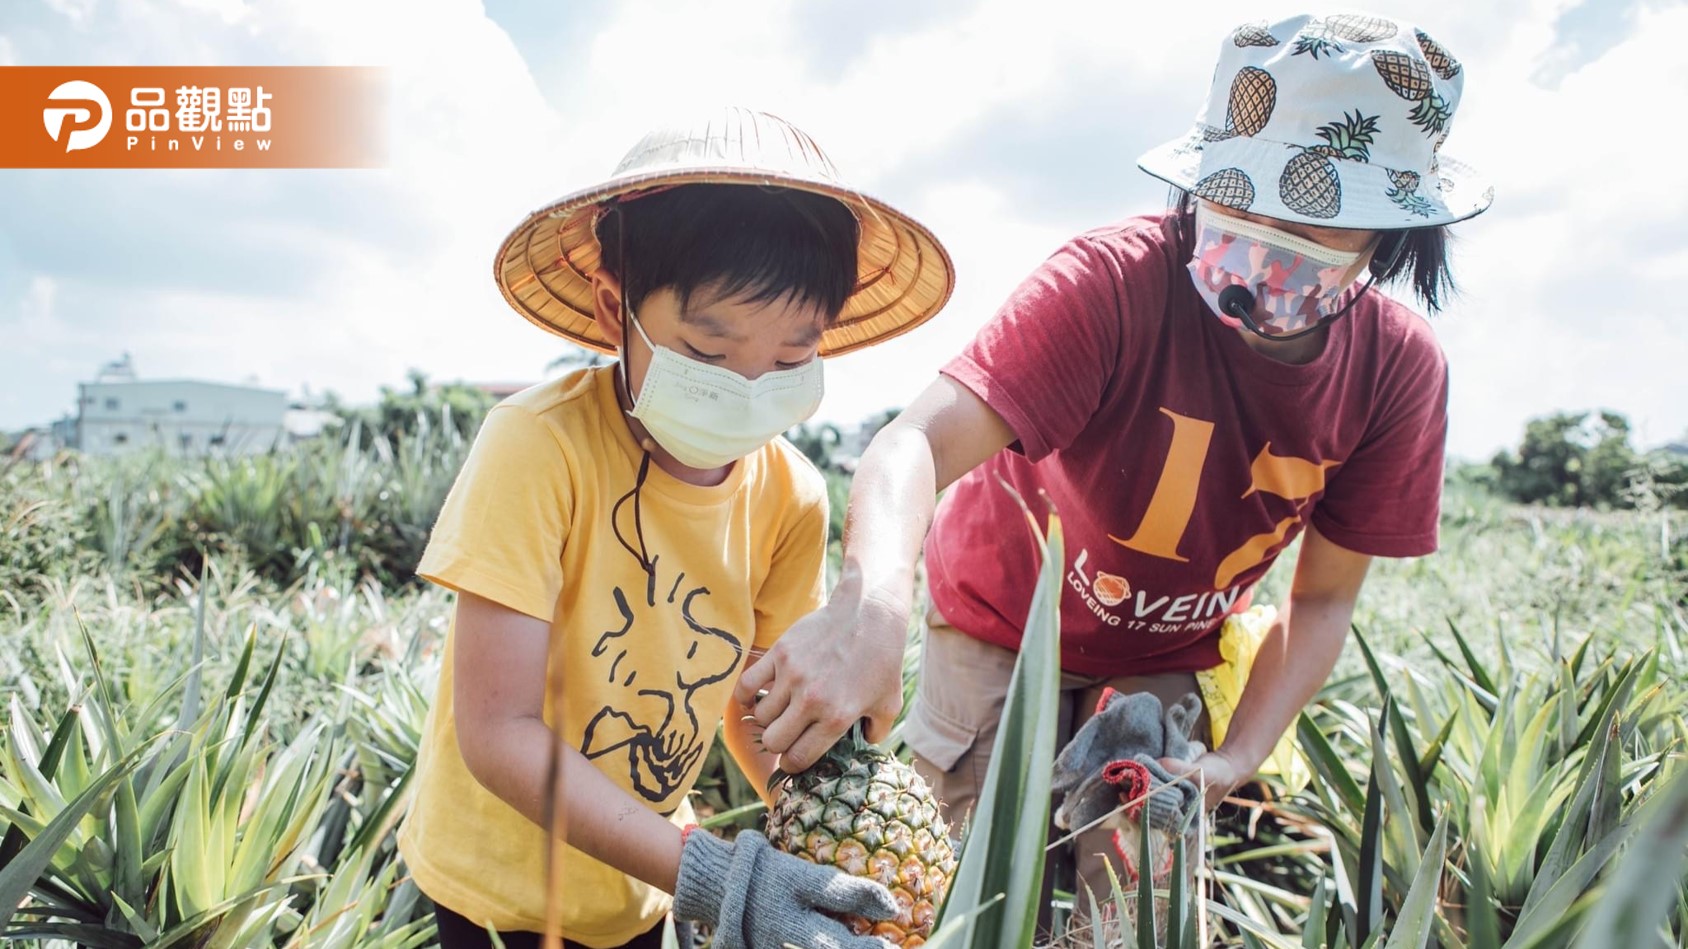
(1294, 660)
(499, 691)
(844, 661)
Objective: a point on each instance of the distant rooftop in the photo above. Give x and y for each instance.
(185, 382)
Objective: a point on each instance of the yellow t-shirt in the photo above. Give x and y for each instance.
(542, 519)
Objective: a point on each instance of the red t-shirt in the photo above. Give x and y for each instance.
(1181, 461)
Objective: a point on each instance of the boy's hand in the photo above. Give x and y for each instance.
(834, 667)
(759, 898)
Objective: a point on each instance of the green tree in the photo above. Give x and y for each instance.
(1571, 460)
(1610, 465)
(817, 442)
(398, 412)
(577, 357)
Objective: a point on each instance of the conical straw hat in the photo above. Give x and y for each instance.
(545, 266)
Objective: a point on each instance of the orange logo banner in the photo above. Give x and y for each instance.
(192, 117)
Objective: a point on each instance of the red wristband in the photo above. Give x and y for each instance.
(686, 832)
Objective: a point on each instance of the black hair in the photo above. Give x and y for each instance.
(1423, 262)
(747, 242)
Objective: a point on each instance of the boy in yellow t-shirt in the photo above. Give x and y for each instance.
(625, 540)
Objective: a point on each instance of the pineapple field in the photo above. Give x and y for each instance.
(215, 674)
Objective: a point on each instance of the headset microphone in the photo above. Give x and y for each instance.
(1235, 300)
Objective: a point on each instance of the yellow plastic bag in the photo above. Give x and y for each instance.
(1222, 687)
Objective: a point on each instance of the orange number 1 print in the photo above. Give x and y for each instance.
(1163, 525)
(1174, 500)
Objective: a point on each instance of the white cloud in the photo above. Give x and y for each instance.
(1569, 303)
(1573, 280)
(992, 260)
(471, 137)
(77, 11)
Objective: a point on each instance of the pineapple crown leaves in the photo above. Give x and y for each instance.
(853, 746)
(1311, 44)
(1432, 114)
(1353, 136)
(1410, 201)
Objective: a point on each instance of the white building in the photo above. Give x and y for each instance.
(119, 415)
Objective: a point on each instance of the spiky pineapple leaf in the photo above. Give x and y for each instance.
(1369, 892)
(1418, 911)
(48, 766)
(1479, 673)
(1145, 894)
(1328, 766)
(1003, 852)
(1572, 887)
(81, 934)
(1482, 922)
(21, 873)
(1416, 782)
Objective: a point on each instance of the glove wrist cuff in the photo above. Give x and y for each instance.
(700, 886)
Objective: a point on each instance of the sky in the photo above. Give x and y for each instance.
(1006, 132)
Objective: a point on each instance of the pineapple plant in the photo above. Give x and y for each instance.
(1410, 79)
(1445, 65)
(1324, 37)
(1228, 186)
(862, 810)
(1310, 184)
(1253, 34)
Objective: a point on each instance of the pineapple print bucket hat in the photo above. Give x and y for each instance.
(1335, 121)
(544, 267)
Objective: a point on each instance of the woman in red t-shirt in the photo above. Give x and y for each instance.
(1194, 390)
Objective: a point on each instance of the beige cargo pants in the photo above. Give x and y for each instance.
(951, 728)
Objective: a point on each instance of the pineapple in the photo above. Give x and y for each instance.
(1254, 94)
(1310, 184)
(1230, 187)
(1324, 37)
(1446, 66)
(868, 814)
(1253, 34)
(1410, 79)
(1404, 75)
(1360, 29)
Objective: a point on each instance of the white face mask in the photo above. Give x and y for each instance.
(709, 416)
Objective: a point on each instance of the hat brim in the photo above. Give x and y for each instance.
(1248, 174)
(545, 266)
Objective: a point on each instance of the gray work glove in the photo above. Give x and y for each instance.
(759, 898)
(1114, 759)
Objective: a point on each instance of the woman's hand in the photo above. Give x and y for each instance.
(834, 667)
(1214, 773)
(844, 662)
